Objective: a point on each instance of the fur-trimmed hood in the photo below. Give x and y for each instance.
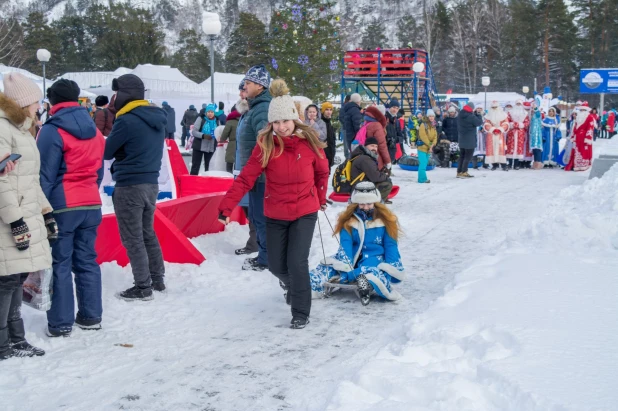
(373, 111)
(10, 110)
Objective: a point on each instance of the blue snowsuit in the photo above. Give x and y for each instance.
(367, 250)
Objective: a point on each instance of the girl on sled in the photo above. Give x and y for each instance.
(368, 254)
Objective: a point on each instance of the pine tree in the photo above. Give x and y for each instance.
(76, 48)
(125, 36)
(306, 48)
(248, 44)
(38, 35)
(192, 57)
(373, 36)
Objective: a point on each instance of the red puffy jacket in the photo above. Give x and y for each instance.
(377, 129)
(296, 181)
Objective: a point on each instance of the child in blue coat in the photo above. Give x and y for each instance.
(368, 253)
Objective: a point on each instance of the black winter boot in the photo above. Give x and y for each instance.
(136, 294)
(253, 264)
(24, 349)
(89, 325)
(299, 323)
(6, 351)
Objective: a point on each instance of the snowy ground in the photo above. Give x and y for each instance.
(218, 338)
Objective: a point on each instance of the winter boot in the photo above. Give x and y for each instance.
(136, 294)
(24, 349)
(299, 323)
(57, 333)
(466, 175)
(158, 286)
(253, 264)
(494, 167)
(88, 325)
(460, 175)
(364, 289)
(244, 251)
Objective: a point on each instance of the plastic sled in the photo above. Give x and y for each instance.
(343, 197)
(413, 168)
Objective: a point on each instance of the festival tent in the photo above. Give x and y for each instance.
(37, 79)
(226, 87)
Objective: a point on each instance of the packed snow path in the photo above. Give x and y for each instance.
(218, 339)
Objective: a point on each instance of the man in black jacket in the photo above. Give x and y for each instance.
(331, 142)
(448, 135)
(346, 147)
(353, 118)
(170, 129)
(468, 122)
(394, 132)
(187, 121)
(366, 161)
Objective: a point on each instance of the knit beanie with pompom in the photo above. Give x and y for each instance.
(282, 105)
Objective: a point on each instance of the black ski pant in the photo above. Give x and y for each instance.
(252, 244)
(465, 155)
(11, 324)
(289, 243)
(196, 160)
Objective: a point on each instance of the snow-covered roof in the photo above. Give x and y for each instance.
(226, 86)
(500, 97)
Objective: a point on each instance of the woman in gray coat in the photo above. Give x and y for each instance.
(313, 119)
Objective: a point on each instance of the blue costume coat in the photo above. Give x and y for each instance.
(551, 136)
(536, 134)
(367, 250)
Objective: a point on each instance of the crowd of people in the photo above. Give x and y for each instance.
(282, 159)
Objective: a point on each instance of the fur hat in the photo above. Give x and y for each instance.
(101, 101)
(356, 98)
(325, 106)
(374, 112)
(452, 109)
(282, 105)
(382, 108)
(371, 140)
(21, 89)
(365, 192)
(258, 75)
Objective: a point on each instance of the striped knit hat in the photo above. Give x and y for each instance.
(21, 89)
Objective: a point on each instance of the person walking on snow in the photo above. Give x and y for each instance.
(256, 83)
(313, 119)
(229, 135)
(26, 220)
(331, 140)
(204, 140)
(368, 253)
(291, 155)
(136, 143)
(103, 119)
(394, 132)
(170, 128)
(188, 119)
(428, 136)
(468, 122)
(71, 173)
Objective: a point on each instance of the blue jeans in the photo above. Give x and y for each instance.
(423, 159)
(256, 216)
(538, 154)
(74, 253)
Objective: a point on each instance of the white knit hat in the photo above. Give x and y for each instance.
(365, 192)
(356, 98)
(282, 105)
(21, 89)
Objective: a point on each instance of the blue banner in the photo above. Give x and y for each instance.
(596, 81)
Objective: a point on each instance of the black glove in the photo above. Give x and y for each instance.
(52, 227)
(21, 234)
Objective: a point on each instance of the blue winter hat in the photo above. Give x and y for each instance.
(211, 107)
(191, 107)
(418, 112)
(258, 75)
(241, 86)
(394, 103)
(164, 103)
(204, 106)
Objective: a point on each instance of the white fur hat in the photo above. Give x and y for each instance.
(282, 105)
(365, 192)
(382, 109)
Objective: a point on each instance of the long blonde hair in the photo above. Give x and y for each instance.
(266, 137)
(381, 212)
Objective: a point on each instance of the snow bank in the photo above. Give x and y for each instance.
(532, 327)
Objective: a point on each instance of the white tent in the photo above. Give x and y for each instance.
(226, 86)
(502, 98)
(37, 79)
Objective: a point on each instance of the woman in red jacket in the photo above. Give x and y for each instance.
(292, 156)
(376, 127)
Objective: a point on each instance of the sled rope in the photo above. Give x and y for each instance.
(321, 240)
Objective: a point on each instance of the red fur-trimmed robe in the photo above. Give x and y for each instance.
(581, 154)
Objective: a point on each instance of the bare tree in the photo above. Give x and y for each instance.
(11, 43)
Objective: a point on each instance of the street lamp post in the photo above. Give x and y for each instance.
(43, 56)
(211, 26)
(418, 68)
(485, 83)
(525, 89)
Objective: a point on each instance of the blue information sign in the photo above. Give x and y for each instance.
(596, 81)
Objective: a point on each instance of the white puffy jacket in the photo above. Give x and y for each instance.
(21, 195)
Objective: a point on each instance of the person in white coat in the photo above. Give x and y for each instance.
(24, 232)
